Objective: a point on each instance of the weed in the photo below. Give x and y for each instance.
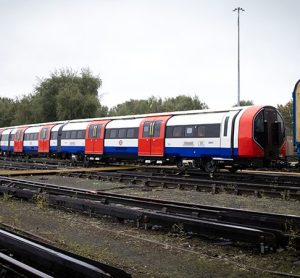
(41, 200)
(7, 197)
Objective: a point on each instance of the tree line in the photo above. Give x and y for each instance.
(67, 95)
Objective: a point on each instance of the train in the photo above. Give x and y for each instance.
(296, 118)
(237, 137)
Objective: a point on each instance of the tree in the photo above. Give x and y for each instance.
(7, 108)
(67, 95)
(245, 103)
(286, 111)
(24, 111)
(156, 105)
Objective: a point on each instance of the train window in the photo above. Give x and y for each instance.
(201, 131)
(107, 133)
(212, 131)
(54, 135)
(98, 131)
(156, 132)
(92, 131)
(44, 133)
(259, 135)
(68, 134)
(177, 131)
(35, 136)
(189, 131)
(146, 130)
(131, 133)
(113, 133)
(11, 137)
(80, 134)
(225, 126)
(73, 134)
(169, 131)
(122, 133)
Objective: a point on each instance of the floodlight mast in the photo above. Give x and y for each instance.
(238, 9)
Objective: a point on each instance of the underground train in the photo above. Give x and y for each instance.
(233, 138)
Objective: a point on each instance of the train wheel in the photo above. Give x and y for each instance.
(210, 166)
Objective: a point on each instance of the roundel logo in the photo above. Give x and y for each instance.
(121, 142)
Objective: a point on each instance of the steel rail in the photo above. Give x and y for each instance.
(40, 258)
(204, 184)
(247, 223)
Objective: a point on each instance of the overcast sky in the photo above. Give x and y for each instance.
(155, 47)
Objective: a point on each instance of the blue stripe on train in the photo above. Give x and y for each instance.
(53, 148)
(30, 148)
(72, 149)
(121, 150)
(199, 152)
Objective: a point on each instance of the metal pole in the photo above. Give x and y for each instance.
(239, 82)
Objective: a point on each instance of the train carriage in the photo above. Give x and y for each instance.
(73, 138)
(121, 138)
(5, 148)
(30, 143)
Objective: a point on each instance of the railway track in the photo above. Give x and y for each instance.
(264, 230)
(23, 256)
(238, 184)
(275, 185)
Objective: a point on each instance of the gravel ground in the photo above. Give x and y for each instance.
(151, 253)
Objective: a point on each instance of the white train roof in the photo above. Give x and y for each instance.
(214, 118)
(203, 111)
(189, 112)
(56, 127)
(33, 129)
(7, 131)
(75, 126)
(124, 123)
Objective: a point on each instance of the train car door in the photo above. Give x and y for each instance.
(18, 140)
(152, 136)
(94, 137)
(44, 139)
(227, 134)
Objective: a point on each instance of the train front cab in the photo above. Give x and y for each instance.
(261, 134)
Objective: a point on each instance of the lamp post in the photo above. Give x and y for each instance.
(239, 83)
